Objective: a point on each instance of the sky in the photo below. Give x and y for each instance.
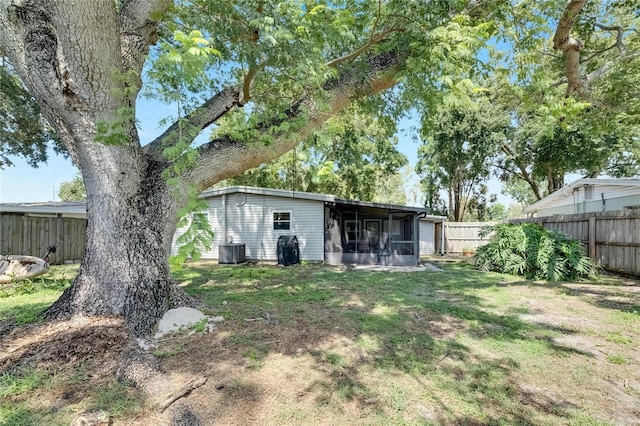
(23, 183)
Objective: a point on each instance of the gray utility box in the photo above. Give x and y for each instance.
(231, 253)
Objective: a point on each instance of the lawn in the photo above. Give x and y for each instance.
(324, 345)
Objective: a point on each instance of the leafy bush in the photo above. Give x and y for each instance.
(534, 252)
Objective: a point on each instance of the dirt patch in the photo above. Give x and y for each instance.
(90, 341)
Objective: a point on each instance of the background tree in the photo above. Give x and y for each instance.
(558, 84)
(23, 130)
(72, 190)
(457, 153)
(350, 157)
(397, 189)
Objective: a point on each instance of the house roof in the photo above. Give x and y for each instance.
(327, 198)
(51, 207)
(79, 208)
(567, 191)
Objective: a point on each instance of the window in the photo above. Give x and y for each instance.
(352, 230)
(282, 220)
(588, 192)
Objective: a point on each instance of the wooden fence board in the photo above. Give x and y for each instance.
(460, 235)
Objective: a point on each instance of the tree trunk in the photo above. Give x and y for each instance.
(125, 271)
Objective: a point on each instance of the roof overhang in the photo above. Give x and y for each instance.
(46, 208)
(569, 189)
(326, 198)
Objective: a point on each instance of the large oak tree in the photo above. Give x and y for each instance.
(266, 74)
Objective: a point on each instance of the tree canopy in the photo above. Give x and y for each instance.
(350, 157)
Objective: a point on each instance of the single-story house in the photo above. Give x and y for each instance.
(328, 228)
(589, 195)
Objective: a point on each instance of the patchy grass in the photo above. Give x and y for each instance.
(39, 396)
(317, 344)
(22, 302)
(452, 347)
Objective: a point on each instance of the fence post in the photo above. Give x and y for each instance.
(592, 238)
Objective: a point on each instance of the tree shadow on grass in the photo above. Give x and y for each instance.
(621, 298)
(405, 324)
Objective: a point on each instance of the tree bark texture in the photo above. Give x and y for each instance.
(563, 41)
(72, 56)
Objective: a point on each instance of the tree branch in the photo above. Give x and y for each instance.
(362, 49)
(563, 41)
(225, 157)
(138, 21)
(599, 72)
(248, 81)
(191, 125)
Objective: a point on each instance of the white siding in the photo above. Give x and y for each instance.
(614, 200)
(251, 223)
(573, 202)
(427, 242)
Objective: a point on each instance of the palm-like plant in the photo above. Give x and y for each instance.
(533, 252)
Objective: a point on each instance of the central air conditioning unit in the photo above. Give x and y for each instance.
(231, 253)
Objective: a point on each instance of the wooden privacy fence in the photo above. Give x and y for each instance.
(32, 235)
(460, 235)
(610, 238)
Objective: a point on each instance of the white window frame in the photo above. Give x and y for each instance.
(588, 192)
(274, 221)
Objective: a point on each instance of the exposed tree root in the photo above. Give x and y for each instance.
(143, 370)
(178, 298)
(186, 390)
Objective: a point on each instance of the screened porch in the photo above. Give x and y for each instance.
(370, 235)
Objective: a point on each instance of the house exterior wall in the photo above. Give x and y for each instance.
(427, 241)
(580, 205)
(248, 219)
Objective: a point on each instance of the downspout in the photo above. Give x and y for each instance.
(357, 233)
(262, 251)
(417, 236)
(442, 238)
(604, 202)
(389, 242)
(224, 219)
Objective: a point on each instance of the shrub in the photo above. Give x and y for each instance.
(533, 252)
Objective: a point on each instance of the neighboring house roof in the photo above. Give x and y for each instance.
(556, 197)
(317, 197)
(46, 208)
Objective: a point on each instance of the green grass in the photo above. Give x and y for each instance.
(118, 399)
(22, 380)
(22, 394)
(24, 301)
(450, 347)
(619, 338)
(394, 321)
(617, 359)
